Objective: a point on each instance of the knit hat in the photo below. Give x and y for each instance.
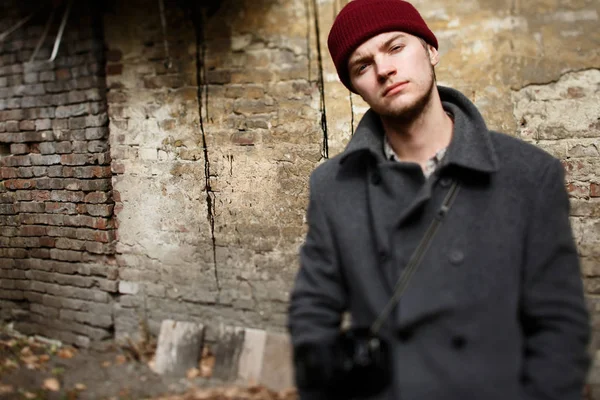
(360, 20)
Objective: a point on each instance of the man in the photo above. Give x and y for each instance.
(495, 309)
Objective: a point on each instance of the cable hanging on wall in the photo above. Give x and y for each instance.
(16, 26)
(163, 20)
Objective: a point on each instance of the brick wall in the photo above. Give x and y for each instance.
(56, 227)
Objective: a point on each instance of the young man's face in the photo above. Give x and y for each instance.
(393, 72)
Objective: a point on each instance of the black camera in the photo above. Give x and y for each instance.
(356, 365)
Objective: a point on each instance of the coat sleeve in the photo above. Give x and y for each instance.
(318, 297)
(553, 313)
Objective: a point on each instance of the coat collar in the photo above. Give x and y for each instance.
(471, 146)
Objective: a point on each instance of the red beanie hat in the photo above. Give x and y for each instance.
(360, 20)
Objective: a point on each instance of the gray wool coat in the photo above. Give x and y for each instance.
(496, 310)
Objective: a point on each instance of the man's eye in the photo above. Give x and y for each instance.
(397, 47)
(361, 68)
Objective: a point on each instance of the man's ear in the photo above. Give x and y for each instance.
(434, 55)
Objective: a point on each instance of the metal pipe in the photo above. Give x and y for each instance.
(16, 26)
(163, 21)
(61, 30)
(44, 35)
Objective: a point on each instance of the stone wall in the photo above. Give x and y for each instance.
(212, 143)
(56, 229)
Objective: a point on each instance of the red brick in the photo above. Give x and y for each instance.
(8, 173)
(60, 208)
(13, 253)
(578, 190)
(40, 195)
(32, 230)
(118, 168)
(31, 207)
(15, 184)
(595, 190)
(63, 74)
(96, 197)
(8, 115)
(104, 236)
(47, 241)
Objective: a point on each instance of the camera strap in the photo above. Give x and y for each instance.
(416, 258)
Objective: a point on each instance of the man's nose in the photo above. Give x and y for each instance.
(385, 68)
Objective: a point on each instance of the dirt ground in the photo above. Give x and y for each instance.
(37, 369)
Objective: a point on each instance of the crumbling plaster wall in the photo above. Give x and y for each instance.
(212, 156)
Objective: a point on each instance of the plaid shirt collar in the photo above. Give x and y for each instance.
(429, 167)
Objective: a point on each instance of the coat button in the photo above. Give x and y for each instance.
(445, 182)
(459, 342)
(375, 178)
(456, 257)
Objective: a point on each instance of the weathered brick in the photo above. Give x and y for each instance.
(25, 242)
(47, 148)
(32, 230)
(74, 110)
(55, 171)
(60, 208)
(39, 113)
(7, 294)
(12, 274)
(63, 147)
(47, 76)
(60, 124)
(96, 120)
(99, 248)
(65, 255)
(7, 197)
(99, 210)
(80, 147)
(47, 241)
(27, 125)
(103, 321)
(97, 197)
(96, 185)
(67, 196)
(19, 148)
(39, 171)
(43, 124)
(44, 310)
(37, 159)
(97, 146)
(76, 96)
(70, 244)
(50, 183)
(96, 133)
(595, 190)
(15, 115)
(16, 161)
(7, 209)
(13, 253)
(77, 123)
(9, 173)
(39, 253)
(74, 159)
(12, 126)
(95, 94)
(63, 74)
(38, 195)
(16, 184)
(25, 172)
(32, 207)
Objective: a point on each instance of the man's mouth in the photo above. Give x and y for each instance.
(394, 88)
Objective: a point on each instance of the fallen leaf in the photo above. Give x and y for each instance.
(120, 359)
(66, 353)
(193, 373)
(106, 364)
(51, 384)
(9, 363)
(80, 386)
(26, 351)
(4, 389)
(44, 358)
(29, 395)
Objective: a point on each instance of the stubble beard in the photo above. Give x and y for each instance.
(412, 111)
